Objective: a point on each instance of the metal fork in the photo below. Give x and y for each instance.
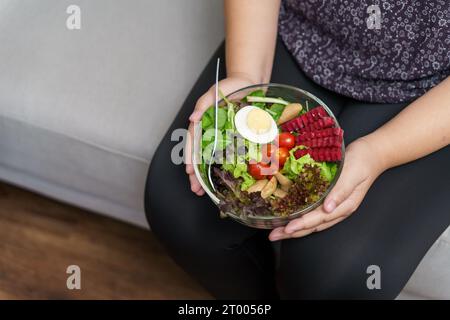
(216, 129)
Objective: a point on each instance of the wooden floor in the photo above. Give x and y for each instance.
(40, 238)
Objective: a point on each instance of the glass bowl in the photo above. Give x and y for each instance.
(288, 93)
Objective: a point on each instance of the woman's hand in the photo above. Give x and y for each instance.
(226, 86)
(360, 170)
(420, 129)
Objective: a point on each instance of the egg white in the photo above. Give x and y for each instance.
(240, 121)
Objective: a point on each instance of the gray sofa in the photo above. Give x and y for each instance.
(82, 111)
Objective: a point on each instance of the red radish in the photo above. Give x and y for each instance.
(316, 113)
(316, 130)
(296, 123)
(311, 119)
(323, 142)
(321, 154)
(328, 132)
(325, 122)
(300, 153)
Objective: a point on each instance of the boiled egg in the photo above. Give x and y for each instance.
(256, 125)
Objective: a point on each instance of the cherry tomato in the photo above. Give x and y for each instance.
(259, 170)
(280, 156)
(267, 152)
(286, 140)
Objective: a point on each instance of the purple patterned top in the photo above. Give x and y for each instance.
(371, 50)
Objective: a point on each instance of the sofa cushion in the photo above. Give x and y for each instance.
(431, 280)
(86, 108)
(76, 171)
(119, 80)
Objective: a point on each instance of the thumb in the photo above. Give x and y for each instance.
(344, 187)
(202, 104)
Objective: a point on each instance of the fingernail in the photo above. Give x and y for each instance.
(330, 206)
(275, 238)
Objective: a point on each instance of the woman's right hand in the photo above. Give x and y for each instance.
(226, 86)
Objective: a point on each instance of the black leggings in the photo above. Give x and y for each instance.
(403, 213)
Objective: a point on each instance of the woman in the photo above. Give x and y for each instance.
(383, 70)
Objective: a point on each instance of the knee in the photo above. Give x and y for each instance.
(318, 274)
(164, 196)
(154, 197)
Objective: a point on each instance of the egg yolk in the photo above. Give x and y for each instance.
(258, 121)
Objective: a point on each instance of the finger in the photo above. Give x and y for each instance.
(300, 223)
(277, 234)
(305, 232)
(318, 217)
(188, 150)
(324, 226)
(200, 193)
(347, 182)
(195, 185)
(202, 104)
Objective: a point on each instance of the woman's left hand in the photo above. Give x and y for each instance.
(361, 168)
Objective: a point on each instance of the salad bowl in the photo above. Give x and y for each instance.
(316, 132)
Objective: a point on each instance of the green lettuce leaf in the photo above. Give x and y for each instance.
(328, 170)
(276, 110)
(223, 139)
(209, 117)
(239, 170)
(293, 167)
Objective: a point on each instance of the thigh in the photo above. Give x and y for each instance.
(402, 215)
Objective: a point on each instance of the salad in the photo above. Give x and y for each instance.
(272, 157)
